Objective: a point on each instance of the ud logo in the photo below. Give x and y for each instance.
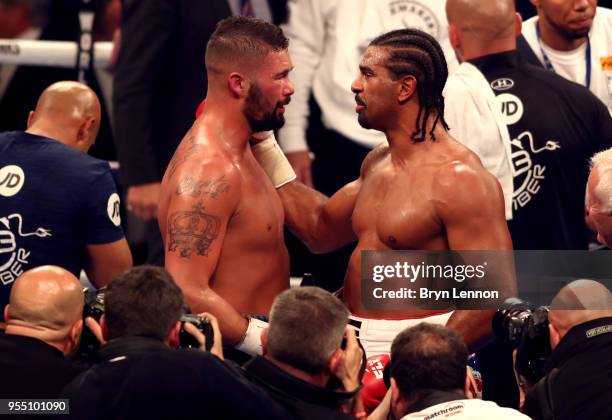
(511, 107)
(112, 208)
(13, 257)
(11, 180)
(502, 84)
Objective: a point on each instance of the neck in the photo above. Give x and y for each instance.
(53, 131)
(39, 333)
(227, 124)
(556, 40)
(488, 49)
(402, 146)
(319, 380)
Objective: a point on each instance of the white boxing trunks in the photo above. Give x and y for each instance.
(376, 335)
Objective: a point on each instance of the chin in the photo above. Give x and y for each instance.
(363, 121)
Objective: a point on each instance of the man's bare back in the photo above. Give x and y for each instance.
(405, 206)
(222, 225)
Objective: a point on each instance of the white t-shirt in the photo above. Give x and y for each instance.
(467, 410)
(327, 41)
(572, 64)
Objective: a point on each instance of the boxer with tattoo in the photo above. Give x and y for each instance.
(220, 216)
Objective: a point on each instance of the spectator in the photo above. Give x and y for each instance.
(296, 367)
(59, 206)
(158, 85)
(141, 376)
(577, 384)
(429, 378)
(573, 39)
(44, 323)
(599, 196)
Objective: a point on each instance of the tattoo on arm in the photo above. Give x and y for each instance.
(183, 152)
(196, 187)
(192, 230)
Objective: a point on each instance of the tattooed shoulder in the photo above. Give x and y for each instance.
(192, 231)
(198, 187)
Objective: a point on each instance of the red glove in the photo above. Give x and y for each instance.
(374, 390)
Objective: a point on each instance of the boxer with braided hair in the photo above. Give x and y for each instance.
(421, 191)
(415, 53)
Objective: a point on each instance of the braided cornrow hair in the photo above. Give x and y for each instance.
(415, 53)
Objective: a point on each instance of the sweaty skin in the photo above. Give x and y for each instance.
(430, 195)
(222, 225)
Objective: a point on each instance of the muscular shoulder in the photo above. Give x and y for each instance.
(463, 184)
(375, 156)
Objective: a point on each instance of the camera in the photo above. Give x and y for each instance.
(525, 327)
(187, 340)
(94, 307)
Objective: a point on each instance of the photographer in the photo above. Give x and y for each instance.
(302, 351)
(577, 384)
(44, 323)
(429, 378)
(141, 376)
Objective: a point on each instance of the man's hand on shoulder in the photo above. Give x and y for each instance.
(301, 162)
(143, 200)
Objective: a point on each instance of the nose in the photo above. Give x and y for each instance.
(289, 89)
(356, 86)
(581, 5)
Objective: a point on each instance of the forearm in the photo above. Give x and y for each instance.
(305, 216)
(473, 325)
(232, 324)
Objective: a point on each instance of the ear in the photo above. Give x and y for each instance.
(173, 338)
(6, 313)
(335, 360)
(84, 135)
(407, 88)
(518, 25)
(555, 335)
(453, 36)
(75, 331)
(104, 328)
(238, 85)
(264, 341)
(396, 400)
(30, 118)
(536, 3)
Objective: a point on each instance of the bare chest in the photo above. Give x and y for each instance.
(395, 209)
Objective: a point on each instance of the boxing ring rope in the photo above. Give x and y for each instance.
(51, 53)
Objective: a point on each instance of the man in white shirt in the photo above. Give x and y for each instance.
(429, 378)
(573, 39)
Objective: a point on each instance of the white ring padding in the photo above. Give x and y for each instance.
(50, 53)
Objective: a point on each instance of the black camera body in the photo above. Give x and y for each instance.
(94, 307)
(187, 340)
(525, 327)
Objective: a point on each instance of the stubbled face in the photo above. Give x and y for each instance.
(570, 18)
(270, 91)
(374, 89)
(599, 216)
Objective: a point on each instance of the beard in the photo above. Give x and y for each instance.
(255, 113)
(363, 120)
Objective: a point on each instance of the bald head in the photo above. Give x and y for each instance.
(69, 112)
(579, 302)
(487, 25)
(46, 298)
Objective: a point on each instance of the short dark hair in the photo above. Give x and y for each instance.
(144, 301)
(418, 54)
(306, 327)
(428, 358)
(237, 38)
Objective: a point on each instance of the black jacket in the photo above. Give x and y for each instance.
(142, 378)
(578, 384)
(160, 78)
(33, 369)
(303, 400)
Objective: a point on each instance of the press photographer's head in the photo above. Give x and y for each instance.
(143, 302)
(578, 302)
(47, 303)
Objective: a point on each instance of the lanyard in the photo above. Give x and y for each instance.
(549, 66)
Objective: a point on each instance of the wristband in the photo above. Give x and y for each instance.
(272, 159)
(251, 342)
